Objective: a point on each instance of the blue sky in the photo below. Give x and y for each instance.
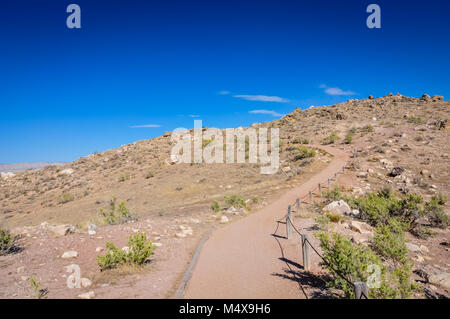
(138, 68)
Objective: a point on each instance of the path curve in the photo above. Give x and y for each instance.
(242, 259)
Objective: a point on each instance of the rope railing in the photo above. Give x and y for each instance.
(360, 288)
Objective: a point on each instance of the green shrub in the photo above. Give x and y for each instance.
(215, 206)
(435, 211)
(36, 285)
(300, 140)
(333, 195)
(117, 215)
(344, 258)
(348, 138)
(389, 241)
(236, 201)
(65, 198)
(149, 175)
(206, 142)
(255, 200)
(367, 129)
(414, 120)
(331, 139)
(140, 249)
(122, 178)
(304, 152)
(6, 241)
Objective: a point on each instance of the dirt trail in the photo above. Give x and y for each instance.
(243, 260)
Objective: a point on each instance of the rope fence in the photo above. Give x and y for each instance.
(361, 289)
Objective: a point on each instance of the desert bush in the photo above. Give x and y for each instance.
(300, 140)
(304, 152)
(206, 142)
(348, 138)
(122, 178)
(117, 215)
(36, 285)
(331, 139)
(414, 120)
(255, 200)
(65, 198)
(367, 129)
(140, 249)
(435, 212)
(6, 241)
(149, 175)
(389, 241)
(215, 206)
(236, 201)
(333, 194)
(344, 258)
(378, 208)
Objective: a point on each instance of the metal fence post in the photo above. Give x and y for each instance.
(310, 197)
(343, 169)
(361, 290)
(328, 183)
(305, 251)
(298, 204)
(288, 222)
(320, 189)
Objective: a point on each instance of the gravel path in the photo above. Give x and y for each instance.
(244, 260)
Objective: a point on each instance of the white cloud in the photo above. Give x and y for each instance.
(145, 126)
(193, 115)
(268, 112)
(223, 92)
(335, 91)
(262, 98)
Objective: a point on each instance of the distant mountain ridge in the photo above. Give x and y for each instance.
(24, 166)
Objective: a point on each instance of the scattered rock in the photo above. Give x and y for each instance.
(412, 247)
(85, 282)
(67, 171)
(425, 97)
(224, 220)
(362, 174)
(396, 171)
(157, 244)
(337, 207)
(98, 249)
(360, 227)
(69, 254)
(87, 295)
(437, 98)
(61, 230)
(6, 175)
(424, 249)
(92, 229)
(441, 278)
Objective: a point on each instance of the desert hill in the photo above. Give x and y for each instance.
(393, 140)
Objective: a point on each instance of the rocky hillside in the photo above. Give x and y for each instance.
(394, 140)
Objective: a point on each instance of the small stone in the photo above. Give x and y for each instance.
(157, 244)
(413, 248)
(92, 229)
(87, 295)
(224, 220)
(69, 254)
(85, 282)
(424, 249)
(98, 249)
